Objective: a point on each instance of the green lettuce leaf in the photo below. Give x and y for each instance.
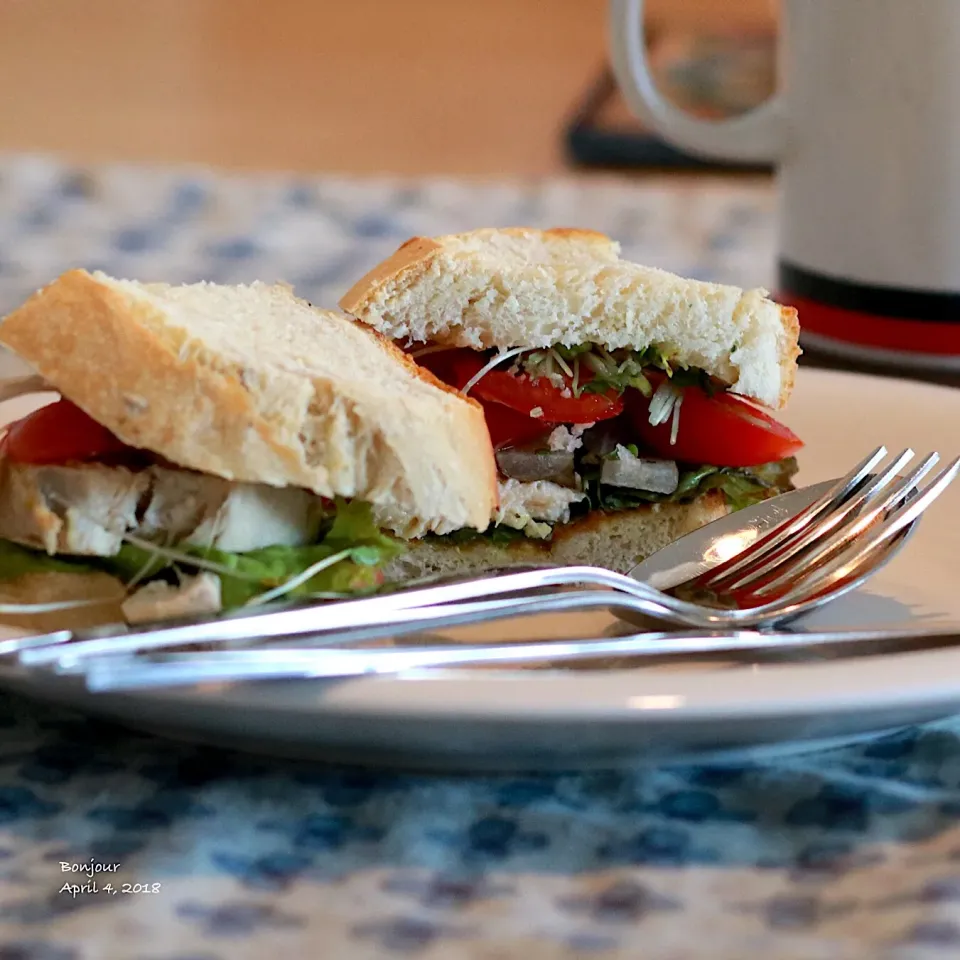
(691, 480)
(17, 561)
(493, 534)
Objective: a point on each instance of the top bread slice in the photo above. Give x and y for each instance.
(251, 383)
(523, 287)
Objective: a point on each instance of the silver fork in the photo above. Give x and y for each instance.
(828, 548)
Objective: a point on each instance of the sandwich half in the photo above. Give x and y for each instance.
(627, 406)
(215, 446)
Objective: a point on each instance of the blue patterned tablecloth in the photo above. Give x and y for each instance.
(118, 845)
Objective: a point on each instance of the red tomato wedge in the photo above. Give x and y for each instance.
(59, 433)
(440, 362)
(721, 430)
(509, 428)
(521, 393)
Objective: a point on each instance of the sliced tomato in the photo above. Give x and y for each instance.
(525, 395)
(59, 433)
(509, 428)
(722, 430)
(441, 363)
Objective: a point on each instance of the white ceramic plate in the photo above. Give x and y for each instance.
(553, 719)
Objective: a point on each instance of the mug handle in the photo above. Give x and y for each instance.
(756, 136)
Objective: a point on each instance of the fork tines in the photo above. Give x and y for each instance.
(858, 514)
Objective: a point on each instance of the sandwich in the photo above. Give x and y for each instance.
(627, 406)
(216, 446)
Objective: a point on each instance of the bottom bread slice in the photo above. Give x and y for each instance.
(616, 540)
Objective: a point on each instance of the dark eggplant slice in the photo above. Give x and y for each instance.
(530, 465)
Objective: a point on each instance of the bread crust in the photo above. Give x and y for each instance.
(791, 354)
(424, 454)
(413, 255)
(428, 261)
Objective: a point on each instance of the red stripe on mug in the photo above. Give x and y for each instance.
(871, 330)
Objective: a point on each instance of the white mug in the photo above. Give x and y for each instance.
(865, 134)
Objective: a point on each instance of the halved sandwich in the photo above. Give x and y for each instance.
(215, 446)
(627, 406)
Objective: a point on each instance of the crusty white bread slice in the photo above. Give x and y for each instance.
(522, 287)
(251, 383)
(617, 541)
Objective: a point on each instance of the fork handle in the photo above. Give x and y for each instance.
(417, 619)
(180, 669)
(185, 669)
(253, 623)
(458, 589)
(401, 624)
